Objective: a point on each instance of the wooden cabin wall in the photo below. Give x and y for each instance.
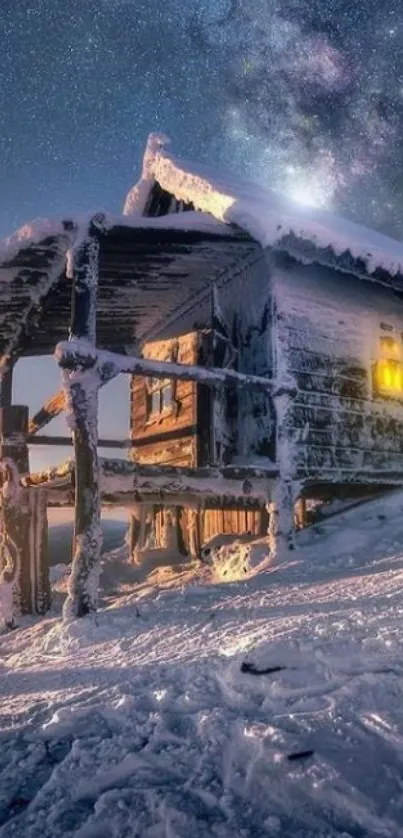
(232, 521)
(246, 425)
(170, 438)
(244, 301)
(251, 305)
(328, 325)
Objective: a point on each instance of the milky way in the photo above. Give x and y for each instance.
(306, 96)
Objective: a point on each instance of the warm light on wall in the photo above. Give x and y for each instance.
(389, 376)
(388, 369)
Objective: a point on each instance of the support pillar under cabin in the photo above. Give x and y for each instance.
(81, 380)
(285, 489)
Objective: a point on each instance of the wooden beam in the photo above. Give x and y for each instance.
(138, 480)
(52, 408)
(56, 404)
(67, 440)
(71, 354)
(125, 483)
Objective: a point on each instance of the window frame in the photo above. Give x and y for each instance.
(156, 388)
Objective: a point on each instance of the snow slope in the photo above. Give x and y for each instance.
(145, 725)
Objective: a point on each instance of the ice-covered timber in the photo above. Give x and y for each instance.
(123, 483)
(73, 354)
(54, 406)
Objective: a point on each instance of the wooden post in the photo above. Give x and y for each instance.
(38, 551)
(170, 534)
(301, 517)
(284, 491)
(24, 565)
(6, 382)
(81, 382)
(281, 518)
(134, 532)
(194, 533)
(223, 357)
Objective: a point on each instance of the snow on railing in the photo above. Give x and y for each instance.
(76, 354)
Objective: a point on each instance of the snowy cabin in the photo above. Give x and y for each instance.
(264, 342)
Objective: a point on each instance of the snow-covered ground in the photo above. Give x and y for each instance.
(145, 725)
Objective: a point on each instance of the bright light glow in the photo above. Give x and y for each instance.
(315, 185)
(308, 192)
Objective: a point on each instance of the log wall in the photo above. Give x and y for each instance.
(329, 326)
(244, 301)
(209, 426)
(169, 437)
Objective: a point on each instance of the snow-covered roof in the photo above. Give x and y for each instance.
(154, 267)
(151, 267)
(269, 218)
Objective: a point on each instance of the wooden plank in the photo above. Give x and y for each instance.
(329, 383)
(346, 459)
(67, 440)
(52, 408)
(125, 482)
(56, 404)
(311, 361)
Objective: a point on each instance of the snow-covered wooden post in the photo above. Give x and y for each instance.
(81, 381)
(134, 532)
(284, 490)
(24, 567)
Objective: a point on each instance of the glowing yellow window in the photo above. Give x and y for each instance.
(388, 370)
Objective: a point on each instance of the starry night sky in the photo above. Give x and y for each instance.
(305, 96)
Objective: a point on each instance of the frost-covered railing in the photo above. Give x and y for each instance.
(124, 483)
(72, 355)
(108, 365)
